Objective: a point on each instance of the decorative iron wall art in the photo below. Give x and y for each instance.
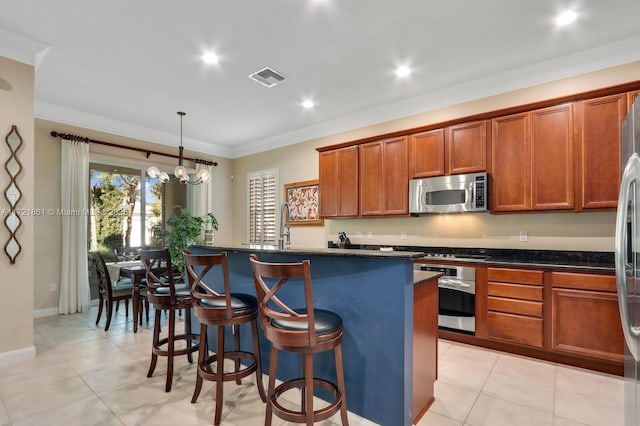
(12, 194)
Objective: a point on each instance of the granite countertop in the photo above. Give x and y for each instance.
(297, 251)
(423, 277)
(587, 261)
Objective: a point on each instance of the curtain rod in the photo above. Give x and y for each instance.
(148, 152)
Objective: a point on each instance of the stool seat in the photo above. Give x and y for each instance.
(238, 301)
(325, 322)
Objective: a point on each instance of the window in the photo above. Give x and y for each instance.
(263, 205)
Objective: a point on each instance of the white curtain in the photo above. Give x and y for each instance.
(200, 197)
(74, 280)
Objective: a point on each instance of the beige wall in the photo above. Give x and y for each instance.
(568, 231)
(16, 303)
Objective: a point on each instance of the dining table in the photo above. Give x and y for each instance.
(136, 272)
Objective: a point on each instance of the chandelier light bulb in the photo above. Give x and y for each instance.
(203, 175)
(164, 177)
(180, 172)
(153, 172)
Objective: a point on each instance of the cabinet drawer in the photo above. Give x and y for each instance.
(521, 276)
(515, 328)
(511, 306)
(584, 281)
(515, 291)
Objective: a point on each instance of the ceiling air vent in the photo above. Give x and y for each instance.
(267, 77)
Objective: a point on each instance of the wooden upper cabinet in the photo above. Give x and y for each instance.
(384, 179)
(511, 163)
(631, 98)
(467, 148)
(338, 177)
(552, 158)
(598, 144)
(426, 154)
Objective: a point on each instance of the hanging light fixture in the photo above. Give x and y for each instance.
(180, 171)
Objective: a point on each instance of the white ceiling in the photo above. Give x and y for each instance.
(126, 67)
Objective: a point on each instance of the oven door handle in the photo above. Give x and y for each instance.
(456, 284)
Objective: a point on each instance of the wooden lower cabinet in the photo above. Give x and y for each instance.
(425, 346)
(515, 328)
(584, 316)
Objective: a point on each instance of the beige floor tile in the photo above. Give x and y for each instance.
(4, 416)
(172, 409)
(471, 356)
(111, 422)
(462, 375)
(538, 395)
(46, 397)
(488, 411)
(116, 376)
(599, 386)
(452, 401)
(527, 369)
(431, 418)
(147, 391)
(587, 409)
(443, 347)
(84, 412)
(561, 421)
(30, 379)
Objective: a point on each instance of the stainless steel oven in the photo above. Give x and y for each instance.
(456, 297)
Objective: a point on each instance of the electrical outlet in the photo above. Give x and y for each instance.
(358, 234)
(403, 235)
(370, 235)
(524, 237)
(53, 287)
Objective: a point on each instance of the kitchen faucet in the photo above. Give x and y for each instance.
(284, 222)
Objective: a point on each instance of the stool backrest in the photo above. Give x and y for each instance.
(197, 267)
(96, 261)
(269, 279)
(159, 273)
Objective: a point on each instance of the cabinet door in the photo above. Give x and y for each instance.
(384, 181)
(328, 183)
(511, 163)
(552, 159)
(467, 148)
(631, 98)
(599, 150)
(396, 176)
(587, 323)
(426, 154)
(338, 182)
(371, 179)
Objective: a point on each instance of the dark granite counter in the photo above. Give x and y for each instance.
(376, 252)
(587, 261)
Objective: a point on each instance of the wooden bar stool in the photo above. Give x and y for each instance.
(216, 305)
(304, 330)
(167, 295)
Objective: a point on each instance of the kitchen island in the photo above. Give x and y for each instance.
(373, 292)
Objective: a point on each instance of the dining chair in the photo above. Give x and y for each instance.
(215, 305)
(167, 295)
(110, 292)
(303, 329)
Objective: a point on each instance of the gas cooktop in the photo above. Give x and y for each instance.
(456, 257)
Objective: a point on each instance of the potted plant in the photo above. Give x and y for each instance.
(185, 231)
(211, 224)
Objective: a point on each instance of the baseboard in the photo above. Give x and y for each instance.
(39, 313)
(10, 357)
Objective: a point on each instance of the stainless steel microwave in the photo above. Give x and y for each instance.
(449, 194)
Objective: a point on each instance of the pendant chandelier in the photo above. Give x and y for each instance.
(180, 171)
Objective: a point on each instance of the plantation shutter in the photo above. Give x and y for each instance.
(263, 203)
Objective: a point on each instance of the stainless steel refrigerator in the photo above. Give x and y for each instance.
(627, 258)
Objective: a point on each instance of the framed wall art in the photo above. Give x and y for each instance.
(304, 204)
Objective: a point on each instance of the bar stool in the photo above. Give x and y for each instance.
(167, 295)
(221, 308)
(304, 330)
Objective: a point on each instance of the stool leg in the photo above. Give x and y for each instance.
(341, 387)
(273, 367)
(187, 331)
(219, 372)
(170, 349)
(154, 344)
(126, 308)
(308, 375)
(100, 303)
(109, 314)
(202, 355)
(256, 354)
(236, 348)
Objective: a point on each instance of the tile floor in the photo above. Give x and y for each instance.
(85, 376)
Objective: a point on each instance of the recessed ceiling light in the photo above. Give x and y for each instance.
(210, 58)
(307, 104)
(403, 71)
(566, 18)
